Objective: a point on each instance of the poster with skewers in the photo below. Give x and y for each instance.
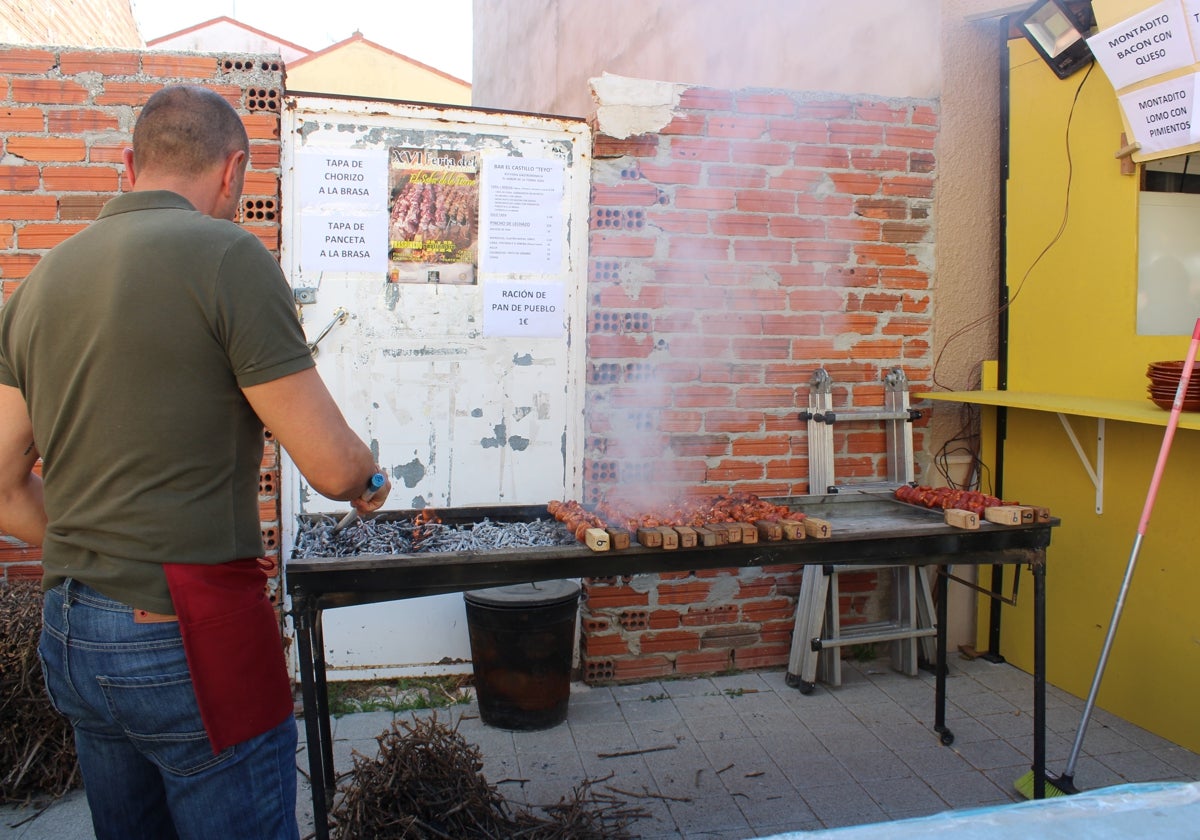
(433, 215)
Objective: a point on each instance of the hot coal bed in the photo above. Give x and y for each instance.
(867, 530)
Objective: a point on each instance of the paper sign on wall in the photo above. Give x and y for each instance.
(343, 242)
(523, 216)
(350, 179)
(1148, 44)
(536, 310)
(1162, 116)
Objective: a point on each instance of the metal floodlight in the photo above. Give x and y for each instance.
(1058, 34)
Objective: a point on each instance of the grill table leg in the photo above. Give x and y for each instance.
(1038, 567)
(939, 702)
(316, 714)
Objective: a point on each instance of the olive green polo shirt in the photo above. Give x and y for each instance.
(131, 342)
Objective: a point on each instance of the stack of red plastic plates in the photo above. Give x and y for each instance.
(1164, 382)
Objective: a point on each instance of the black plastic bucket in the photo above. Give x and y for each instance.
(522, 640)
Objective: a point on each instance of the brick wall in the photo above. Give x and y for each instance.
(758, 236)
(66, 114)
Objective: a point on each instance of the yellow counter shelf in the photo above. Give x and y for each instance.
(1101, 408)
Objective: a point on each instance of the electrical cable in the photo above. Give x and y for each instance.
(1053, 241)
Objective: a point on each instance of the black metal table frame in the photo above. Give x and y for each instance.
(317, 585)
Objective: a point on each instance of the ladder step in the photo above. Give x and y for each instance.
(868, 633)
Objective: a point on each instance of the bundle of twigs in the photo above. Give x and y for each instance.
(426, 784)
(37, 750)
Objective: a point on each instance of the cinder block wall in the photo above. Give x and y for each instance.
(66, 114)
(758, 236)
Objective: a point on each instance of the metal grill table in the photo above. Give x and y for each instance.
(867, 531)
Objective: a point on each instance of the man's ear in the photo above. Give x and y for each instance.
(231, 177)
(130, 172)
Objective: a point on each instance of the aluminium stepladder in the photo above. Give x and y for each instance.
(818, 607)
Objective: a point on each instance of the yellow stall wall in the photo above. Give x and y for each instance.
(1072, 331)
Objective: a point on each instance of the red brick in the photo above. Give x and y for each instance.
(855, 230)
(794, 227)
(642, 145)
(762, 250)
(881, 254)
(853, 322)
(80, 120)
(675, 172)
(609, 644)
(772, 609)
(739, 177)
(791, 469)
(817, 251)
(912, 187)
(856, 183)
(264, 156)
(911, 137)
(14, 572)
(903, 278)
(733, 422)
(740, 224)
(703, 662)
(873, 160)
(22, 119)
(693, 124)
(748, 128)
(609, 245)
(830, 109)
(821, 157)
(706, 99)
(907, 326)
(267, 235)
(834, 205)
(669, 641)
(881, 208)
(610, 597)
(921, 162)
(127, 93)
(799, 131)
(261, 126)
(880, 112)
(761, 154)
(688, 198)
(18, 60)
(697, 616)
(746, 447)
(642, 669)
(766, 397)
(107, 153)
(704, 149)
(81, 179)
(735, 470)
(762, 656)
(618, 347)
(901, 232)
(19, 178)
(48, 91)
(778, 104)
(638, 195)
(697, 248)
(104, 63)
(664, 619)
(42, 149)
(765, 201)
(16, 266)
(28, 207)
(7, 239)
(689, 223)
(167, 65)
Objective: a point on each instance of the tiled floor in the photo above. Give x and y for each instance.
(745, 756)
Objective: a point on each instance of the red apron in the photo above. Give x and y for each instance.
(233, 647)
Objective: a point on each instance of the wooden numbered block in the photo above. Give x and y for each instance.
(1040, 514)
(817, 528)
(793, 529)
(597, 539)
(749, 532)
(650, 537)
(618, 538)
(1004, 514)
(670, 537)
(707, 537)
(732, 531)
(966, 519)
(687, 536)
(769, 531)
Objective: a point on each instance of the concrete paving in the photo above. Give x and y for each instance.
(744, 756)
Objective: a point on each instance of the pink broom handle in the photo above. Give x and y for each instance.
(1172, 423)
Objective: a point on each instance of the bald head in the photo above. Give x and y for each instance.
(185, 130)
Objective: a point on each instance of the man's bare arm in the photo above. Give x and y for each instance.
(302, 415)
(22, 511)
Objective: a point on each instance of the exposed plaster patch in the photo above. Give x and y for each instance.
(627, 107)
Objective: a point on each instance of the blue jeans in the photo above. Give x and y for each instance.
(147, 765)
